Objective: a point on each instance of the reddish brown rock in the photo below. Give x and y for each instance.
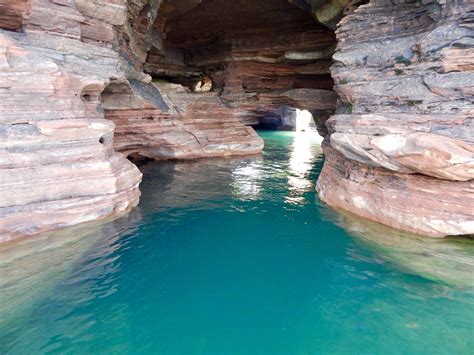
(404, 128)
(413, 203)
(57, 164)
(403, 78)
(61, 172)
(409, 144)
(167, 121)
(11, 14)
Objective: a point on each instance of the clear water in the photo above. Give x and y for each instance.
(237, 256)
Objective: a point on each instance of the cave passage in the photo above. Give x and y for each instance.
(217, 69)
(261, 57)
(287, 119)
(229, 244)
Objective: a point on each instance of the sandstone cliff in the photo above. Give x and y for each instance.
(183, 79)
(401, 150)
(57, 163)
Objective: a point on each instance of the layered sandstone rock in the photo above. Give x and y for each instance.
(59, 173)
(403, 75)
(57, 164)
(415, 203)
(260, 55)
(401, 150)
(167, 121)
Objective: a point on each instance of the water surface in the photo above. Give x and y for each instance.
(237, 256)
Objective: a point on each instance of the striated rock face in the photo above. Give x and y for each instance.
(167, 121)
(401, 150)
(260, 55)
(57, 162)
(184, 79)
(408, 143)
(415, 203)
(59, 173)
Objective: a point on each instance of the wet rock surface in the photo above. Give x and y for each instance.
(411, 202)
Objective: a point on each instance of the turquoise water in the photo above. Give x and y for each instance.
(237, 256)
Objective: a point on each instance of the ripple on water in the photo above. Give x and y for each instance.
(236, 256)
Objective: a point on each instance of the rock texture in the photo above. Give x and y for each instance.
(56, 151)
(411, 202)
(167, 121)
(57, 163)
(185, 78)
(401, 150)
(260, 55)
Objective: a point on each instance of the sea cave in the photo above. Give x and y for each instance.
(236, 177)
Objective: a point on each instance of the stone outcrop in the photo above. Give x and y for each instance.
(401, 150)
(59, 173)
(167, 121)
(57, 163)
(184, 79)
(411, 202)
(58, 166)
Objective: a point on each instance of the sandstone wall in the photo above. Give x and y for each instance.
(168, 121)
(73, 71)
(57, 164)
(401, 150)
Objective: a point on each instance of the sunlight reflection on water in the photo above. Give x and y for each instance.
(304, 150)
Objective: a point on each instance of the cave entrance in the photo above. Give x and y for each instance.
(257, 55)
(286, 118)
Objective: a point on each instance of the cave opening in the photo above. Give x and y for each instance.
(287, 118)
(261, 58)
(210, 72)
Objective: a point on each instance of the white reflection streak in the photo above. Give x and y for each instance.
(301, 156)
(300, 161)
(246, 180)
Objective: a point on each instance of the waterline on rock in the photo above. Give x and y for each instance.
(236, 256)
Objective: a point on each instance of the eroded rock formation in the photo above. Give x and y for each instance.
(401, 150)
(57, 163)
(260, 55)
(167, 121)
(185, 78)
